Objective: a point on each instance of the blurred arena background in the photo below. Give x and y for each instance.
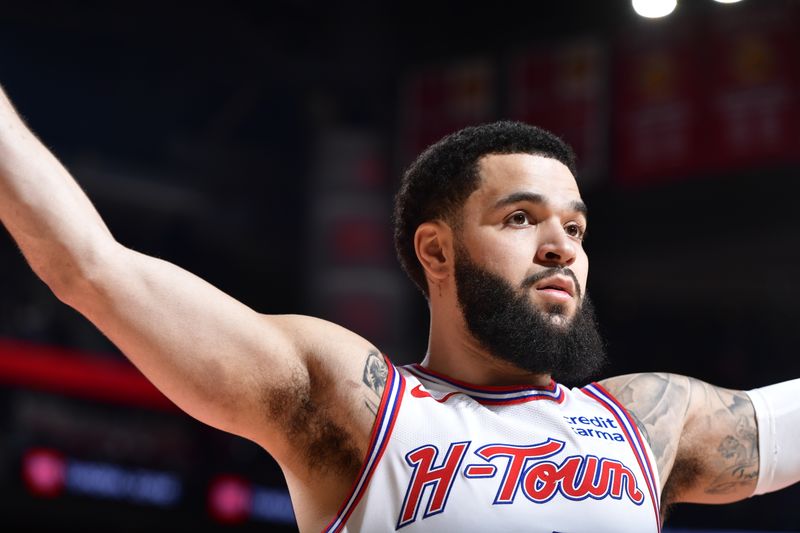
(259, 145)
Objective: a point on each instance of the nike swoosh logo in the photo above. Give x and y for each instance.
(417, 392)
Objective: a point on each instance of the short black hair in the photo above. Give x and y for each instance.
(436, 185)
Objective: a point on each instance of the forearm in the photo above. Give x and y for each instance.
(186, 336)
(48, 215)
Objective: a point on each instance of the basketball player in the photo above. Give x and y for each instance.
(478, 436)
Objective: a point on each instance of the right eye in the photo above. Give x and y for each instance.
(519, 218)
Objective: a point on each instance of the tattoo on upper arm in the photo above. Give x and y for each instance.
(704, 438)
(731, 461)
(374, 377)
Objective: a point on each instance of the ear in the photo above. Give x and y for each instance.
(433, 244)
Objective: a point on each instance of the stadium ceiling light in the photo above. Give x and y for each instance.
(654, 8)
(727, 1)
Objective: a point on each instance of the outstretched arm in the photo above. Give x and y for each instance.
(258, 376)
(704, 438)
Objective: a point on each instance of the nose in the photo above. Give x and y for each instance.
(555, 247)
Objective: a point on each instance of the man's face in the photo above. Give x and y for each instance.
(525, 220)
(521, 271)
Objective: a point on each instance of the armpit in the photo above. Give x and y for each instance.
(302, 408)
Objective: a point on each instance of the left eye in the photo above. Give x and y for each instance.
(575, 230)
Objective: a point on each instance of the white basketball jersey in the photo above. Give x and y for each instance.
(447, 456)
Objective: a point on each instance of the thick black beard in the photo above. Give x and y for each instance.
(510, 327)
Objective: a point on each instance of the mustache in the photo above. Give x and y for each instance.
(533, 279)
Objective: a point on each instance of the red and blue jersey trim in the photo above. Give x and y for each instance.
(488, 395)
(381, 432)
(598, 393)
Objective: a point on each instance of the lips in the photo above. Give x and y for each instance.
(557, 284)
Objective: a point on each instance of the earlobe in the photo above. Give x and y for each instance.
(432, 244)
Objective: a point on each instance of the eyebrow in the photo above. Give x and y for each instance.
(575, 205)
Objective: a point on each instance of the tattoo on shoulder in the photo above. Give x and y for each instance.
(642, 427)
(374, 377)
(658, 403)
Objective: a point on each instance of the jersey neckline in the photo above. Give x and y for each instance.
(488, 393)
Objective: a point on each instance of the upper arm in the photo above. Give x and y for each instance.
(219, 360)
(287, 382)
(704, 438)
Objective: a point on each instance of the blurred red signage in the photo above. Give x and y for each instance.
(77, 373)
(361, 240)
(233, 499)
(438, 101)
(753, 111)
(43, 472)
(708, 98)
(49, 473)
(563, 89)
(657, 100)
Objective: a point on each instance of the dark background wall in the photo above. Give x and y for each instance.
(258, 145)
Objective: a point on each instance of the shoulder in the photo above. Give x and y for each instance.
(651, 395)
(643, 393)
(659, 403)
